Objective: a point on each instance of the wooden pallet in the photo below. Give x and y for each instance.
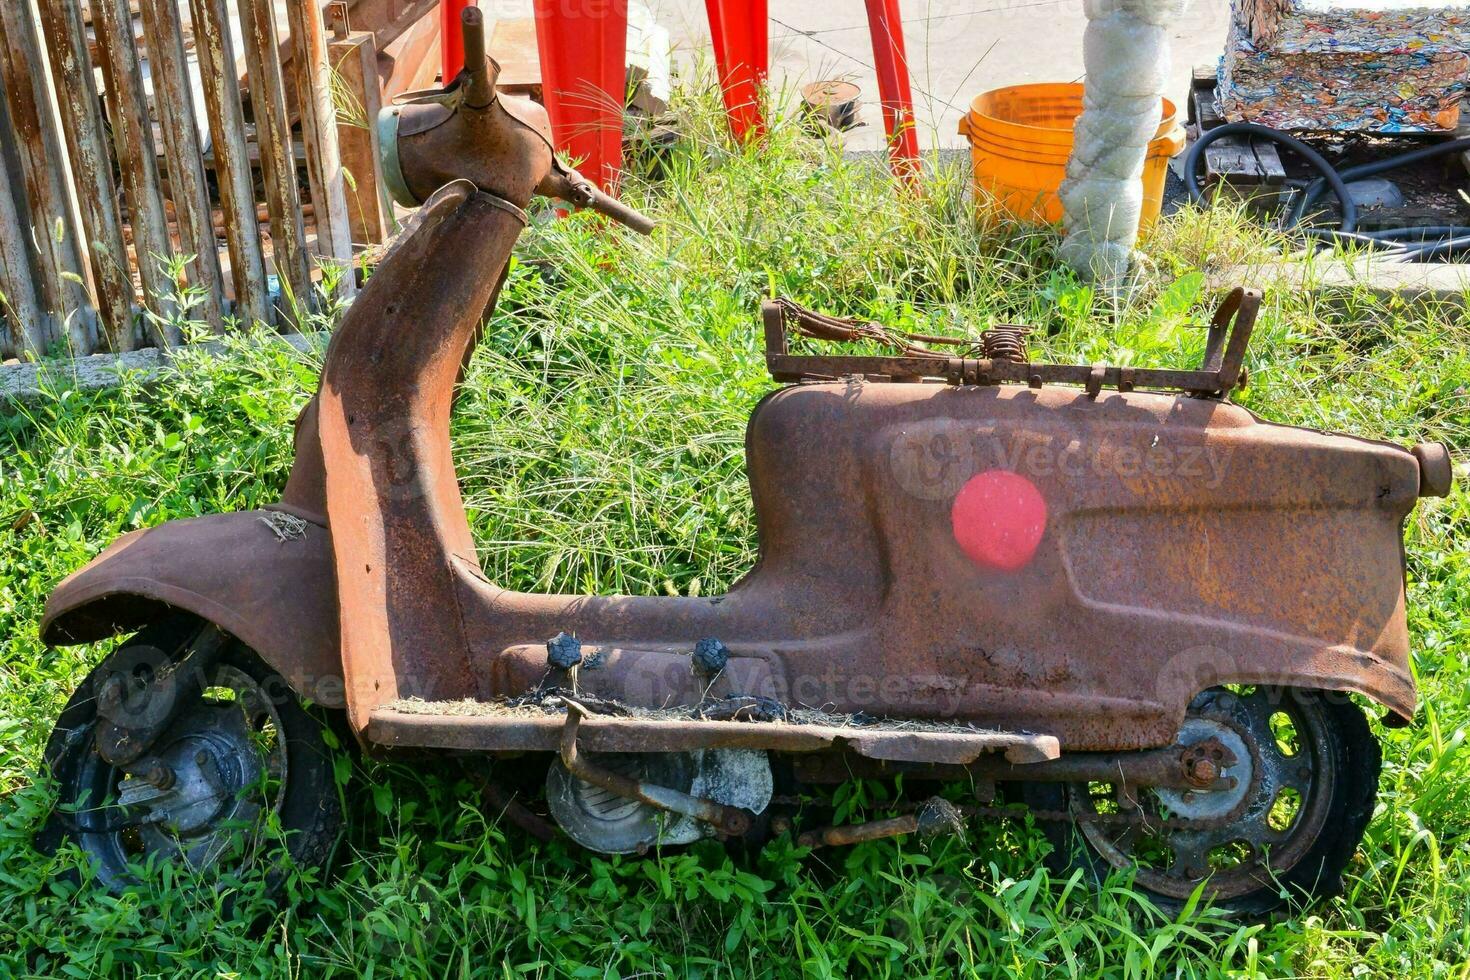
(1250, 169)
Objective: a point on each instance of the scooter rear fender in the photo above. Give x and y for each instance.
(265, 576)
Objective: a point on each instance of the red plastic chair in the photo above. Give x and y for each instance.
(742, 57)
(451, 41)
(892, 65)
(583, 44)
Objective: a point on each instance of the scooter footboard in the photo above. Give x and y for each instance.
(510, 727)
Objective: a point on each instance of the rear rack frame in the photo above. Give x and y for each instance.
(1223, 369)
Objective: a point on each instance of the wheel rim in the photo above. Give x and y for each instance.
(202, 792)
(1260, 829)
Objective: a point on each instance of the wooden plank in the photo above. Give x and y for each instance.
(1203, 111)
(386, 20)
(513, 45)
(1428, 283)
(1247, 169)
(1243, 162)
(56, 234)
(277, 166)
(319, 133)
(219, 77)
(27, 334)
(354, 60)
(415, 58)
(186, 181)
(86, 141)
(132, 133)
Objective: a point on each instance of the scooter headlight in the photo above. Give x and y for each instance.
(391, 168)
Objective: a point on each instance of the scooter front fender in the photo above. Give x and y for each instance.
(265, 576)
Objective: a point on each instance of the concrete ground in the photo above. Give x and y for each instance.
(956, 49)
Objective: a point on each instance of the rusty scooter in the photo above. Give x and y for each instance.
(1149, 614)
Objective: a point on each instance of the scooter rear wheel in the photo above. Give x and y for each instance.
(240, 756)
(1306, 778)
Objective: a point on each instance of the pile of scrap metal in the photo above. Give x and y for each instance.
(1384, 66)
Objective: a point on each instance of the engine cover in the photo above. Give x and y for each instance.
(610, 824)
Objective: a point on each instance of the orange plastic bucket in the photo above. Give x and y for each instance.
(1020, 139)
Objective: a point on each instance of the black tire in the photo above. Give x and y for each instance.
(1342, 804)
(305, 800)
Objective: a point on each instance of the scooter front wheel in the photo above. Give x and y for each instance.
(237, 760)
(1305, 775)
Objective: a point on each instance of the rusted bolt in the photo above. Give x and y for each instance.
(736, 824)
(563, 651)
(1203, 772)
(158, 775)
(710, 656)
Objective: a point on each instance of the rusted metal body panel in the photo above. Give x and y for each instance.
(605, 733)
(265, 578)
(1186, 544)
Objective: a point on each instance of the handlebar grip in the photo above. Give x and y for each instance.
(618, 211)
(472, 26)
(479, 79)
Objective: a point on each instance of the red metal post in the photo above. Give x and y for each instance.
(892, 66)
(583, 44)
(451, 41)
(742, 57)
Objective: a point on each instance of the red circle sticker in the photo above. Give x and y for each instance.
(999, 518)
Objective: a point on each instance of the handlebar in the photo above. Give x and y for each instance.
(611, 207)
(479, 88)
(501, 144)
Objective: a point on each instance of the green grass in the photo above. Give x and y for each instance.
(600, 441)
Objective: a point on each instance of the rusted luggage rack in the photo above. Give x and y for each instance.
(999, 355)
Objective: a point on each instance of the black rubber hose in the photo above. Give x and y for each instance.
(1329, 174)
(1448, 238)
(1442, 247)
(1373, 169)
(1419, 232)
(1365, 239)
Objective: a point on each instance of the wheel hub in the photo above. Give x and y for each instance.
(188, 785)
(1243, 836)
(203, 780)
(1202, 804)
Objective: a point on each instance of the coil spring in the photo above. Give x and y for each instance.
(1005, 344)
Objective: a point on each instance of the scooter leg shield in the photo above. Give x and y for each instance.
(393, 499)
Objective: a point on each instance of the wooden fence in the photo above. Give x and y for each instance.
(146, 186)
